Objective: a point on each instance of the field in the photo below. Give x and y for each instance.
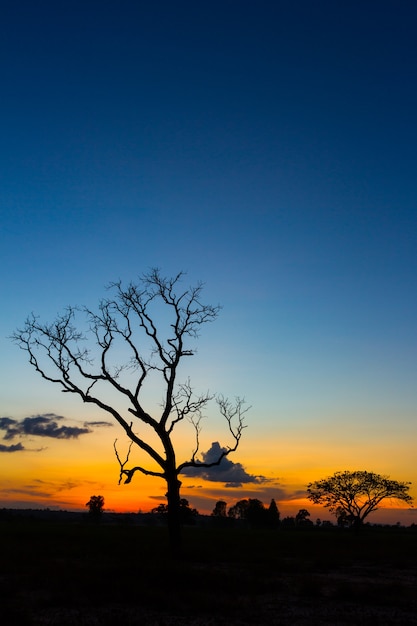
(85, 574)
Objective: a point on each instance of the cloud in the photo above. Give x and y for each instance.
(27, 491)
(17, 447)
(97, 424)
(232, 474)
(54, 486)
(41, 488)
(46, 425)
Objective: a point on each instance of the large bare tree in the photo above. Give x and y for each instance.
(138, 337)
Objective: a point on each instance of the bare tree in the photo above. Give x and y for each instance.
(128, 351)
(352, 496)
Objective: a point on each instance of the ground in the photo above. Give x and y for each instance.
(88, 574)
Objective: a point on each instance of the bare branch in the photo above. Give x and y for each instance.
(234, 415)
(195, 421)
(129, 473)
(184, 405)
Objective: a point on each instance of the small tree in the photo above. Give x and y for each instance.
(301, 519)
(128, 352)
(161, 509)
(220, 509)
(343, 517)
(256, 514)
(239, 510)
(273, 513)
(352, 496)
(95, 506)
(251, 510)
(288, 522)
(187, 514)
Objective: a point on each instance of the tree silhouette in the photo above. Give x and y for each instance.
(239, 510)
(288, 522)
(220, 509)
(343, 517)
(187, 514)
(250, 509)
(256, 513)
(352, 496)
(95, 506)
(273, 514)
(129, 352)
(161, 509)
(301, 519)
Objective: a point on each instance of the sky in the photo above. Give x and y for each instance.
(266, 149)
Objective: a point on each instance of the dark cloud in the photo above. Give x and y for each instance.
(27, 491)
(46, 425)
(232, 474)
(54, 486)
(14, 448)
(42, 488)
(97, 424)
(6, 423)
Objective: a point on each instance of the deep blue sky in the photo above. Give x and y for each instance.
(268, 148)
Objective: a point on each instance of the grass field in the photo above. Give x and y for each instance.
(85, 574)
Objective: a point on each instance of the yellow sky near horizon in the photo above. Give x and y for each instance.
(65, 473)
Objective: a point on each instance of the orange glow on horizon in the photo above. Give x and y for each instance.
(66, 474)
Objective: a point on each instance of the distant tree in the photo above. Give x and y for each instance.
(256, 513)
(343, 517)
(301, 519)
(114, 355)
(220, 509)
(187, 514)
(161, 509)
(273, 514)
(95, 507)
(288, 522)
(251, 510)
(238, 510)
(326, 524)
(352, 496)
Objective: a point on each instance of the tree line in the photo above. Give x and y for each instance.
(257, 514)
(350, 496)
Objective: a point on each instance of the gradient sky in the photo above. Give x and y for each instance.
(269, 150)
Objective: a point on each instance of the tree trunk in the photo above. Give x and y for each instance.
(174, 514)
(357, 524)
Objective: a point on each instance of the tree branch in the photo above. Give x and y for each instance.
(234, 415)
(129, 473)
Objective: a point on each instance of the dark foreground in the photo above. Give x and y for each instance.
(62, 574)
